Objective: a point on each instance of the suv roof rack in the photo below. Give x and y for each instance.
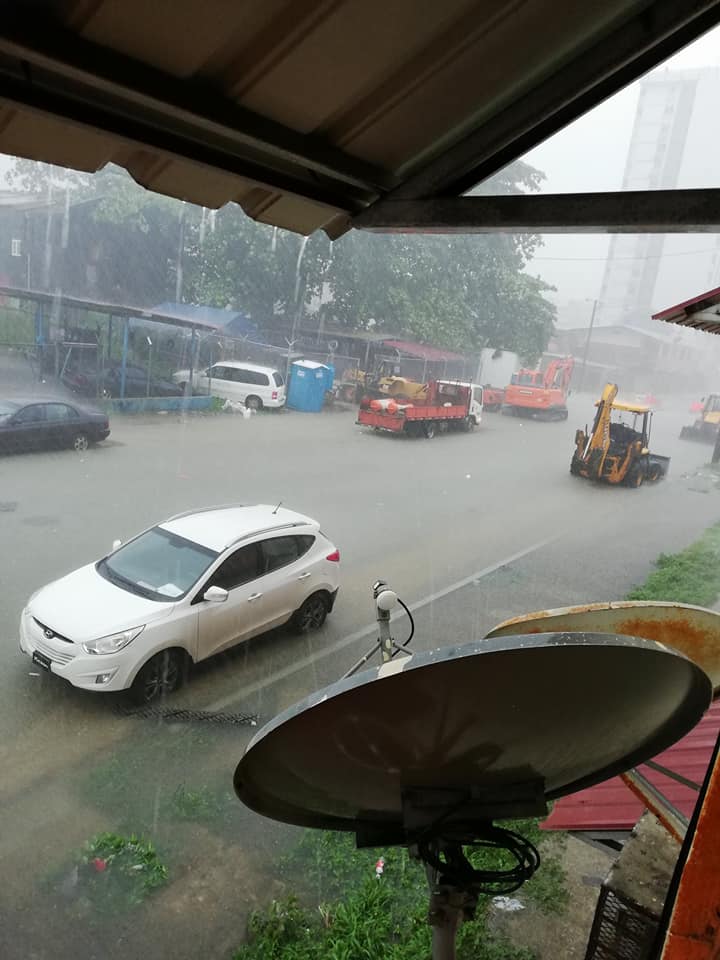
(190, 513)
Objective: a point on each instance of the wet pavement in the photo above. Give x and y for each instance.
(469, 529)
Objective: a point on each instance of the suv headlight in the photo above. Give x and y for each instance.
(114, 642)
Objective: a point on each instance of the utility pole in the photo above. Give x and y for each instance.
(587, 345)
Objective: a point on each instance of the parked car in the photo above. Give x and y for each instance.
(247, 383)
(137, 383)
(36, 424)
(178, 593)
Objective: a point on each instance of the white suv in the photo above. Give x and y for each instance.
(247, 383)
(179, 592)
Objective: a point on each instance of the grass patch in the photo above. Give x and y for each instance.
(201, 805)
(341, 912)
(143, 787)
(110, 875)
(690, 576)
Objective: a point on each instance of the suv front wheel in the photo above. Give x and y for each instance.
(160, 676)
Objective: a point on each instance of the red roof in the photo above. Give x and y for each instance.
(422, 350)
(611, 805)
(697, 313)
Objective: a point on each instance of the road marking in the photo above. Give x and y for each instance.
(298, 665)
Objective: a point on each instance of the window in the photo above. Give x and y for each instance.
(219, 372)
(240, 567)
(15, 247)
(59, 412)
(280, 551)
(33, 414)
(278, 378)
(158, 565)
(254, 377)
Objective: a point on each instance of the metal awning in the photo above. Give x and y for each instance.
(700, 313)
(333, 113)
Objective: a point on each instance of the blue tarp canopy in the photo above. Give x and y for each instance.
(232, 323)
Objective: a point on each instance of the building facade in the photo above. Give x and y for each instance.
(672, 146)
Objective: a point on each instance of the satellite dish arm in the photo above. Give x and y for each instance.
(385, 601)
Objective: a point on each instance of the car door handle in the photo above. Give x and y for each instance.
(304, 576)
(254, 596)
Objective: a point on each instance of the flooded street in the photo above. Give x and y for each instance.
(468, 529)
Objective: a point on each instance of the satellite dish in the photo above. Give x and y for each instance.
(694, 631)
(427, 750)
(491, 729)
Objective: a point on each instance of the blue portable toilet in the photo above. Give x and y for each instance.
(308, 382)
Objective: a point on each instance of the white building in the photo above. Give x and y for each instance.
(672, 145)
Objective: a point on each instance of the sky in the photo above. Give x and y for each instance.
(590, 155)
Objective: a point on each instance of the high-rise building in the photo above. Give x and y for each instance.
(672, 145)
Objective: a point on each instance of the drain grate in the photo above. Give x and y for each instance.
(189, 716)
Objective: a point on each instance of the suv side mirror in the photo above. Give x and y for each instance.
(116, 544)
(215, 595)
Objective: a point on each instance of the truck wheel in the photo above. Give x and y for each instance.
(468, 424)
(634, 476)
(429, 430)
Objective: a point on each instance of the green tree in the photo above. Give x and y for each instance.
(236, 262)
(463, 292)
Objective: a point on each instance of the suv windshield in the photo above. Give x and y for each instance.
(158, 565)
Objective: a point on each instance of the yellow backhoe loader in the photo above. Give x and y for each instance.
(616, 450)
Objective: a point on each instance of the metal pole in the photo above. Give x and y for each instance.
(179, 257)
(587, 345)
(193, 349)
(123, 361)
(150, 345)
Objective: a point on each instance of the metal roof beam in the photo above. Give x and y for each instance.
(651, 211)
(616, 60)
(44, 66)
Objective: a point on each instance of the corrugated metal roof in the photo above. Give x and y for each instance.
(307, 114)
(611, 805)
(109, 309)
(700, 313)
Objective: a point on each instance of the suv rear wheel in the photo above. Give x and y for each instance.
(312, 614)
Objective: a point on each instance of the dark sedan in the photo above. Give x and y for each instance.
(39, 424)
(138, 383)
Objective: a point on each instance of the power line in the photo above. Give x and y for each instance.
(661, 256)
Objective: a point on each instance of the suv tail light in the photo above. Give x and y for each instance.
(334, 556)
(274, 394)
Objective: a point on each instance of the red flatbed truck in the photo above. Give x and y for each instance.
(444, 405)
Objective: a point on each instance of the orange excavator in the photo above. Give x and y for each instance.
(540, 394)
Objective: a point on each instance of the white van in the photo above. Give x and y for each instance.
(247, 383)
